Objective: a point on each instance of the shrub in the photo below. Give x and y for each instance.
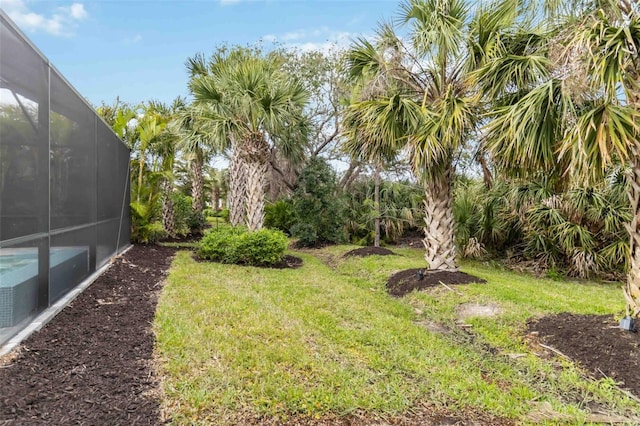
(320, 213)
(280, 215)
(209, 212)
(237, 245)
(181, 212)
(144, 228)
(224, 214)
(401, 210)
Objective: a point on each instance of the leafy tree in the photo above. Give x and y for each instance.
(319, 211)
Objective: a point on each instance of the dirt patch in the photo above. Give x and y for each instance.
(423, 415)
(369, 251)
(434, 327)
(287, 262)
(406, 281)
(596, 343)
(411, 241)
(189, 238)
(91, 363)
(469, 310)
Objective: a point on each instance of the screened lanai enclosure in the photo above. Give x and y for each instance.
(64, 185)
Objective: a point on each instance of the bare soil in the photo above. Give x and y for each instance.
(596, 343)
(404, 282)
(287, 262)
(369, 251)
(92, 363)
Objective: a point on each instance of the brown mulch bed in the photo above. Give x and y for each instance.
(596, 343)
(369, 251)
(189, 238)
(405, 282)
(92, 363)
(287, 262)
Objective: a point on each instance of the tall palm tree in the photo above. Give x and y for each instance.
(166, 148)
(432, 111)
(197, 145)
(368, 84)
(151, 128)
(217, 184)
(250, 105)
(573, 111)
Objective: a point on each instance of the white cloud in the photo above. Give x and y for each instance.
(133, 40)
(293, 35)
(78, 11)
(227, 2)
(270, 38)
(321, 39)
(60, 22)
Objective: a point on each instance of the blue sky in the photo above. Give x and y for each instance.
(136, 49)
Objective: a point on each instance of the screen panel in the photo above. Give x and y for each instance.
(24, 141)
(73, 158)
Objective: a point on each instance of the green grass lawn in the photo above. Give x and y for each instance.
(326, 339)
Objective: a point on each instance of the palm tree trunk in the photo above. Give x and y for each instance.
(237, 191)
(168, 217)
(197, 185)
(215, 197)
(196, 190)
(487, 177)
(439, 242)
(632, 288)
(256, 167)
(376, 206)
(140, 170)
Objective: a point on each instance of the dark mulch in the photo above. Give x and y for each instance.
(92, 363)
(320, 244)
(287, 262)
(413, 242)
(189, 238)
(369, 251)
(405, 282)
(596, 343)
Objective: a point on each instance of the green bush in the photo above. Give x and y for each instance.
(237, 245)
(579, 231)
(209, 212)
(144, 228)
(280, 215)
(182, 212)
(320, 212)
(224, 214)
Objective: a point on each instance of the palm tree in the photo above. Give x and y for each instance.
(166, 147)
(432, 111)
(249, 106)
(197, 146)
(359, 143)
(151, 127)
(573, 111)
(217, 183)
